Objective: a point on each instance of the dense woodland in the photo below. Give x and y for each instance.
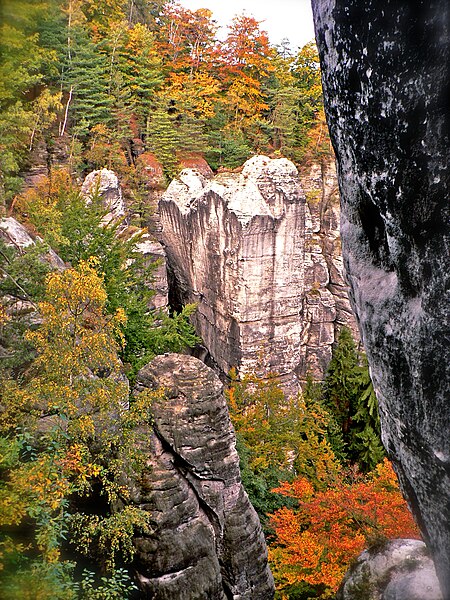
(103, 83)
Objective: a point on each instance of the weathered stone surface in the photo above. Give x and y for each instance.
(106, 184)
(319, 182)
(385, 75)
(153, 253)
(400, 570)
(207, 541)
(243, 247)
(14, 234)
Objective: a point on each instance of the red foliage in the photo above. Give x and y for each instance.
(316, 542)
(195, 161)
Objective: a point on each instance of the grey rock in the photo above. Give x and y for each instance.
(385, 76)
(106, 184)
(206, 541)
(400, 570)
(14, 234)
(245, 248)
(154, 254)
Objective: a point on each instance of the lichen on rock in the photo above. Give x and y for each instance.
(385, 76)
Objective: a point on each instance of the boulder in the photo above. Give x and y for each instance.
(14, 234)
(399, 570)
(206, 539)
(385, 76)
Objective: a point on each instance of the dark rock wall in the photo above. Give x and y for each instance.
(385, 74)
(207, 541)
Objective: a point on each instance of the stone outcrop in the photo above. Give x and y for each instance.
(14, 234)
(246, 248)
(154, 254)
(385, 76)
(206, 539)
(106, 184)
(399, 570)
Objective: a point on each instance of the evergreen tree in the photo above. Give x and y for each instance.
(88, 77)
(141, 71)
(162, 137)
(349, 396)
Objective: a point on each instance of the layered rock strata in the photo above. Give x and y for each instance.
(385, 76)
(244, 247)
(206, 541)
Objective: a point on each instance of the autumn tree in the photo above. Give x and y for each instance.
(187, 40)
(77, 231)
(316, 541)
(245, 63)
(278, 437)
(64, 436)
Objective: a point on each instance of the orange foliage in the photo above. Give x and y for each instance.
(186, 39)
(316, 542)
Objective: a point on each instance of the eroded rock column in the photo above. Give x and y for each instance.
(385, 75)
(207, 541)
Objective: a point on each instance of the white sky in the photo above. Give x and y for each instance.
(290, 19)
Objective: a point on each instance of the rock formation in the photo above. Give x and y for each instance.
(385, 76)
(153, 252)
(207, 541)
(399, 570)
(13, 234)
(106, 184)
(245, 248)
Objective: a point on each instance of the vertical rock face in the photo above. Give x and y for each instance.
(154, 254)
(207, 541)
(243, 246)
(385, 75)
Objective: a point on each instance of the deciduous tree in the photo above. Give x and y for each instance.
(316, 541)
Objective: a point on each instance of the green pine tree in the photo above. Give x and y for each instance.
(349, 396)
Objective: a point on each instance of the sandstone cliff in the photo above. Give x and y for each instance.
(207, 541)
(249, 251)
(385, 75)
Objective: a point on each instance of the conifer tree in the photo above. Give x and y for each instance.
(349, 396)
(88, 77)
(162, 137)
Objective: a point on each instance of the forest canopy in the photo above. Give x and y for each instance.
(103, 82)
